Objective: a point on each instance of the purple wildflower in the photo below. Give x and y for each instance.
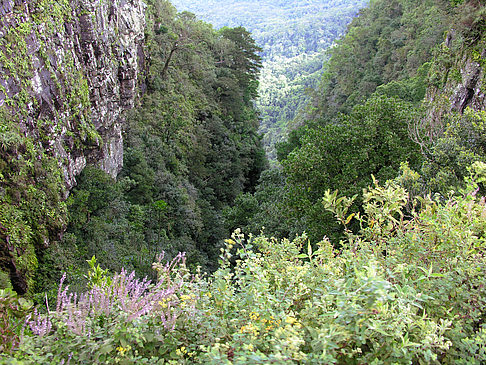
(39, 325)
(124, 295)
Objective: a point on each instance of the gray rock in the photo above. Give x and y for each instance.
(99, 44)
(456, 94)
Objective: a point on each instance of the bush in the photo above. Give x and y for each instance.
(399, 291)
(13, 311)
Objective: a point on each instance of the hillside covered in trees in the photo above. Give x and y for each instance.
(371, 114)
(367, 246)
(190, 147)
(189, 151)
(294, 36)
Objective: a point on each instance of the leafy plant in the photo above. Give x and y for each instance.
(96, 275)
(13, 312)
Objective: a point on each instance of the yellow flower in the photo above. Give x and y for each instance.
(181, 352)
(290, 320)
(122, 350)
(250, 329)
(162, 303)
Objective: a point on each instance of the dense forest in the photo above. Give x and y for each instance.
(190, 150)
(294, 37)
(365, 246)
(360, 120)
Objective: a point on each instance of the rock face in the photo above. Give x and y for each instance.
(468, 92)
(68, 70)
(459, 80)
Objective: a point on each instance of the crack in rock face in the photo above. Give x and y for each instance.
(468, 92)
(463, 88)
(83, 73)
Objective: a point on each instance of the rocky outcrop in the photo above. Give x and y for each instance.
(68, 70)
(468, 92)
(458, 82)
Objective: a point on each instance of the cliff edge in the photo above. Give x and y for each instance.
(68, 71)
(73, 65)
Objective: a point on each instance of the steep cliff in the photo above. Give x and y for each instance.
(68, 70)
(75, 64)
(458, 75)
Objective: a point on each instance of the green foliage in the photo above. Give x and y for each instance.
(264, 210)
(385, 59)
(31, 193)
(13, 312)
(411, 89)
(32, 187)
(339, 206)
(372, 140)
(285, 29)
(124, 320)
(388, 42)
(403, 284)
(104, 223)
(294, 37)
(190, 150)
(97, 277)
(398, 292)
(449, 157)
(470, 20)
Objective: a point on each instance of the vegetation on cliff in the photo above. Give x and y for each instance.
(65, 78)
(189, 150)
(32, 187)
(386, 177)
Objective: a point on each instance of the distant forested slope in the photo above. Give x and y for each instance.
(283, 28)
(389, 42)
(294, 36)
(371, 106)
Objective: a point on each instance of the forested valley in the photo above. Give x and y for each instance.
(294, 37)
(336, 215)
(190, 150)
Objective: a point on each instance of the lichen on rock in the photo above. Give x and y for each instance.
(78, 63)
(68, 71)
(457, 82)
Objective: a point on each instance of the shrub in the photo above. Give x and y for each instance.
(119, 320)
(398, 291)
(13, 311)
